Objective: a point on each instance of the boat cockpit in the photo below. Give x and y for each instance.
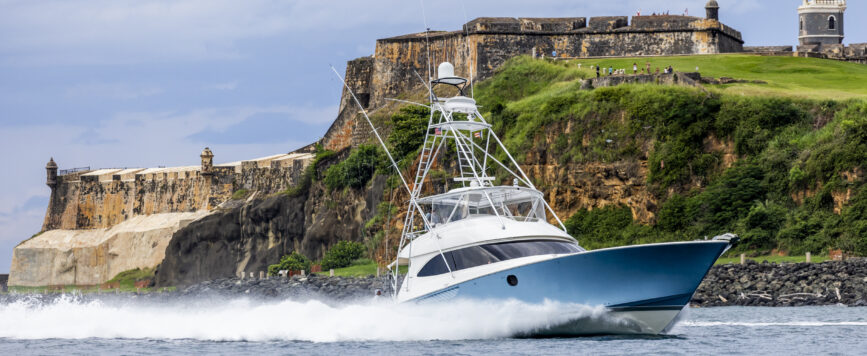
(515, 203)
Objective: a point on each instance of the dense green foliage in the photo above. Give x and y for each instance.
(797, 184)
(357, 169)
(342, 254)
(310, 173)
(408, 130)
(291, 262)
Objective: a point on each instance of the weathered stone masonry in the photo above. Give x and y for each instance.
(104, 198)
(486, 43)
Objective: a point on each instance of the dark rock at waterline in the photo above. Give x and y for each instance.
(297, 287)
(787, 284)
(323, 288)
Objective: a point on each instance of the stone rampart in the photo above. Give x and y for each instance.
(854, 52)
(684, 79)
(103, 198)
(768, 49)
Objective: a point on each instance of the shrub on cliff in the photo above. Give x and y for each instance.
(357, 169)
(291, 262)
(310, 173)
(408, 130)
(342, 254)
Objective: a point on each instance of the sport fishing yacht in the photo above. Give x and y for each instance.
(485, 240)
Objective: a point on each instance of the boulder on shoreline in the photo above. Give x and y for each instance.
(785, 285)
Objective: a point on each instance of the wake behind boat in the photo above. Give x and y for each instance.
(483, 241)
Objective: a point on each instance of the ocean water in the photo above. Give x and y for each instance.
(241, 326)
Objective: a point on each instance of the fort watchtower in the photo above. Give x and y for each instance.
(821, 22)
(712, 9)
(51, 173)
(207, 162)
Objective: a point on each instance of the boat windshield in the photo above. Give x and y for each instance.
(515, 203)
(474, 256)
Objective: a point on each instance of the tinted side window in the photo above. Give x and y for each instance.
(471, 257)
(481, 255)
(510, 250)
(436, 266)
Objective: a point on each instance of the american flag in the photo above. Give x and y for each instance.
(437, 131)
(478, 134)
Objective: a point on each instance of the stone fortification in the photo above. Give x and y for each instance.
(102, 222)
(677, 78)
(483, 44)
(93, 256)
(854, 52)
(93, 199)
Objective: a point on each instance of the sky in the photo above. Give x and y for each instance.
(145, 83)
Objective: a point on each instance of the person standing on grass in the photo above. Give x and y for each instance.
(597, 71)
(610, 71)
(648, 68)
(634, 68)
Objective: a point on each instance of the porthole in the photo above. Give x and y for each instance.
(512, 280)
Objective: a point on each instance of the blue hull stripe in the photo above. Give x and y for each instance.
(651, 276)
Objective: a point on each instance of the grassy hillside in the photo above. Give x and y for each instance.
(789, 76)
(797, 183)
(781, 164)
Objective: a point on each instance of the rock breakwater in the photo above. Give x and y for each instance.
(297, 287)
(323, 288)
(788, 284)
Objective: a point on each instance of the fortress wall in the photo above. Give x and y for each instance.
(87, 201)
(854, 52)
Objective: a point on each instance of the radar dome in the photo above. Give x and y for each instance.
(445, 70)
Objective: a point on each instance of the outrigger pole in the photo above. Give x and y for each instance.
(384, 147)
(412, 200)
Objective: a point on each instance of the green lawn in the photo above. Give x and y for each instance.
(776, 259)
(788, 76)
(360, 268)
(125, 280)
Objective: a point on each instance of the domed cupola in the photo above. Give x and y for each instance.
(712, 8)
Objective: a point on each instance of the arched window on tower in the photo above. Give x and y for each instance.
(802, 24)
(832, 23)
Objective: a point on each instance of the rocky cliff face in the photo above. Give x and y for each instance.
(248, 236)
